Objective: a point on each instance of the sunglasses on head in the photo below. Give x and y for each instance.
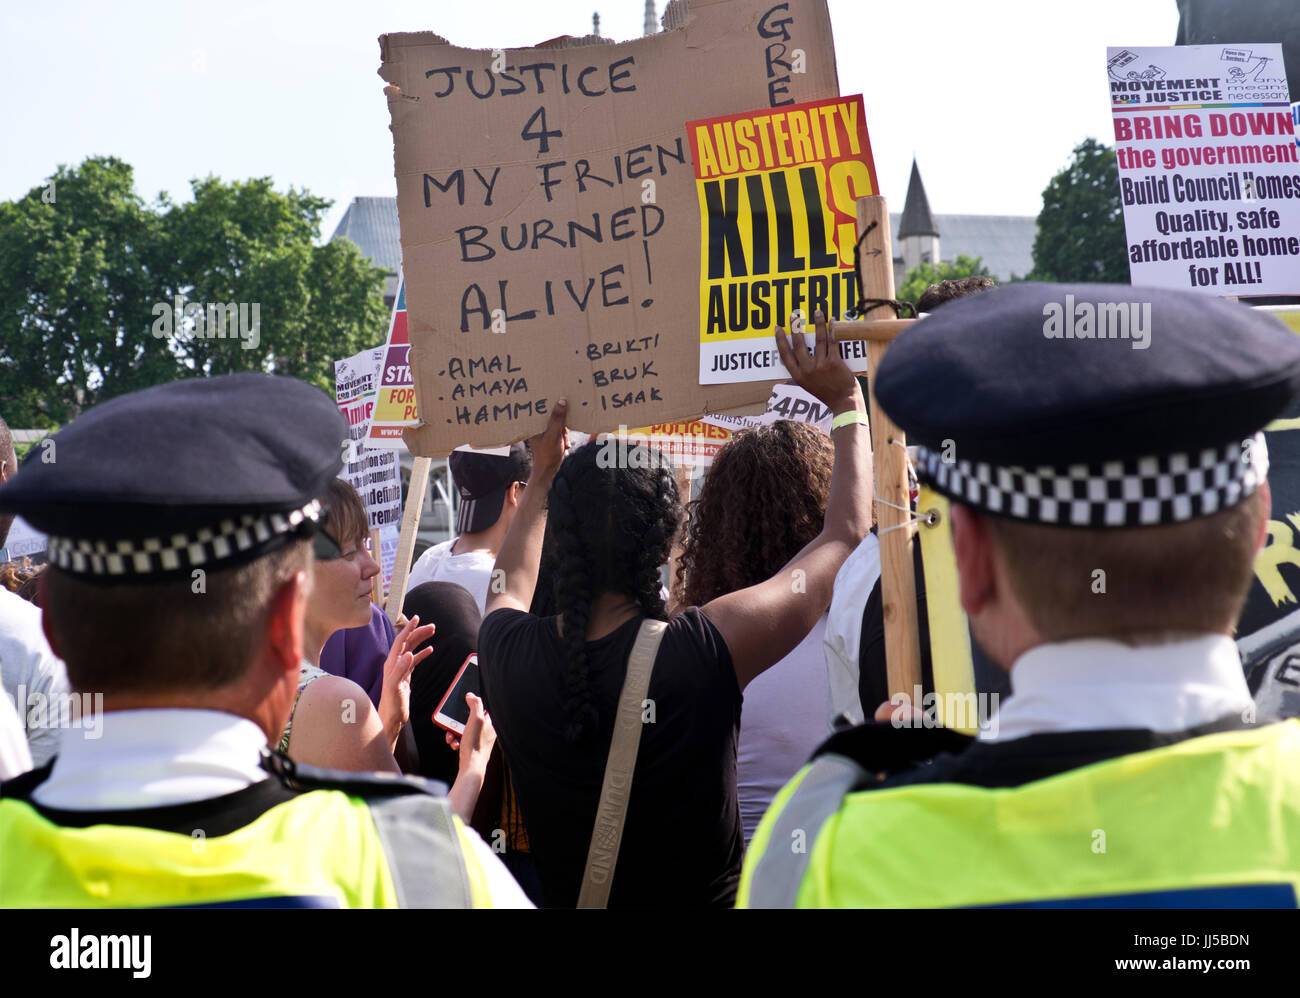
(324, 547)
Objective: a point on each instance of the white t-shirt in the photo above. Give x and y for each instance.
(31, 673)
(14, 755)
(784, 718)
(438, 564)
(853, 584)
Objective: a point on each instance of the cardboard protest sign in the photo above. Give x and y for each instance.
(778, 194)
(550, 224)
(1208, 168)
(373, 473)
(395, 408)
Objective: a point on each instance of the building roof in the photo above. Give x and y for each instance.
(371, 223)
(917, 220)
(1005, 242)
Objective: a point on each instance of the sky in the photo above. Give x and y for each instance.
(990, 98)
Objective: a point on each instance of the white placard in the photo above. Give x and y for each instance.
(1208, 167)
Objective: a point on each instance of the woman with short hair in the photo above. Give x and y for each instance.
(333, 724)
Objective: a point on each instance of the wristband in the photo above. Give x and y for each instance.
(845, 418)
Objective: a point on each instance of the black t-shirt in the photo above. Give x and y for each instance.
(682, 843)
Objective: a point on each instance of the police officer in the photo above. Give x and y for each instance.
(1101, 447)
(181, 524)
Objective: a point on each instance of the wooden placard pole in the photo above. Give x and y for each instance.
(377, 583)
(406, 539)
(897, 581)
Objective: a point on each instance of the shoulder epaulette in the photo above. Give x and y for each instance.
(885, 750)
(298, 776)
(21, 786)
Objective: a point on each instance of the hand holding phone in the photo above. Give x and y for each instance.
(453, 712)
(476, 744)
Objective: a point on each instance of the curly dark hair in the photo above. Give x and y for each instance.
(609, 529)
(946, 291)
(763, 501)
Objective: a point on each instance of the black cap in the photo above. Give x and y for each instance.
(482, 480)
(205, 472)
(1091, 405)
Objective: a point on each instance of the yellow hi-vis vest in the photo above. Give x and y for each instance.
(323, 848)
(1212, 821)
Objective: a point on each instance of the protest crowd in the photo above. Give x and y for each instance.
(277, 692)
(620, 686)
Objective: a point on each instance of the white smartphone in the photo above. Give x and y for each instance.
(453, 711)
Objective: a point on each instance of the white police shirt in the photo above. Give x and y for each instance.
(1093, 684)
(153, 758)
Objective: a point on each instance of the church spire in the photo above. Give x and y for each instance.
(595, 24)
(916, 220)
(651, 22)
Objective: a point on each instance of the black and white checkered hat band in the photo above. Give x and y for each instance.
(1145, 492)
(206, 547)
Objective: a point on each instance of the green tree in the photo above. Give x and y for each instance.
(80, 263)
(90, 278)
(246, 243)
(1081, 227)
(920, 278)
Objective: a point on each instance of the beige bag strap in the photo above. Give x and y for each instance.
(602, 854)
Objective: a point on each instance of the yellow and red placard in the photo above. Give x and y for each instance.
(777, 195)
(395, 402)
(685, 444)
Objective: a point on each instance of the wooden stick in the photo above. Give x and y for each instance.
(376, 552)
(406, 539)
(897, 581)
(879, 330)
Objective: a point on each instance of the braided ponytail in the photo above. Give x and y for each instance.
(610, 529)
(573, 597)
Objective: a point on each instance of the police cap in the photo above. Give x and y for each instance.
(200, 473)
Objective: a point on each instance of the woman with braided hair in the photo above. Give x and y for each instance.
(552, 684)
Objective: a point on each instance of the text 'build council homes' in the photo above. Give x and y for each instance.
(1209, 176)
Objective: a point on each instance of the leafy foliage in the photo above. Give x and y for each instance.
(921, 277)
(1081, 227)
(90, 277)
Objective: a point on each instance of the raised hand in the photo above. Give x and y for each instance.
(395, 698)
(821, 372)
(548, 447)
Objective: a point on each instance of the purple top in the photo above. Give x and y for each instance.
(358, 653)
